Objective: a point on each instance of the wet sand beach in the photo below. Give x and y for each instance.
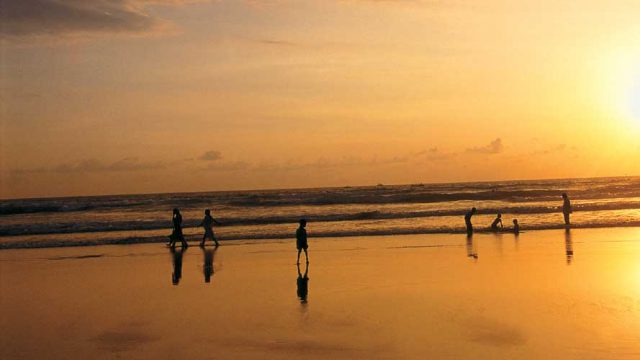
(543, 294)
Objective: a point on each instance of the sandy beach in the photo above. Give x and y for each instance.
(543, 294)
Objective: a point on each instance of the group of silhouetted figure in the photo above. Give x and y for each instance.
(302, 244)
(208, 268)
(497, 226)
(207, 223)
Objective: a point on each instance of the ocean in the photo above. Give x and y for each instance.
(330, 212)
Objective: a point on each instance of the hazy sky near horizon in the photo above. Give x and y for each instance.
(136, 96)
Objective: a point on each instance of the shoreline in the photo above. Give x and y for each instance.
(336, 235)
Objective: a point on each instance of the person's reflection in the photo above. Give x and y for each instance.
(303, 284)
(208, 269)
(177, 264)
(471, 249)
(568, 244)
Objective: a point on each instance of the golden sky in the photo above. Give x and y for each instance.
(136, 96)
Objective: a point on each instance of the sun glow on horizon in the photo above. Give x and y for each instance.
(622, 92)
(633, 98)
(315, 93)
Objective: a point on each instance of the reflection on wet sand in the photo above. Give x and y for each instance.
(568, 244)
(497, 236)
(207, 267)
(472, 252)
(303, 284)
(177, 264)
(420, 297)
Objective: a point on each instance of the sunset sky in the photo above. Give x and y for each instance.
(134, 96)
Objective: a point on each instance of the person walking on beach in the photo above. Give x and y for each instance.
(301, 240)
(467, 221)
(207, 223)
(516, 227)
(496, 221)
(177, 230)
(566, 209)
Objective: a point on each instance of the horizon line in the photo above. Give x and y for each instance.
(316, 188)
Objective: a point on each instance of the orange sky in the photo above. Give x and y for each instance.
(139, 96)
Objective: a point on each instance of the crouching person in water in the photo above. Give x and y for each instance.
(516, 227)
(496, 221)
(301, 240)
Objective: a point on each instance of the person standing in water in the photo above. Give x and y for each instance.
(467, 220)
(566, 209)
(496, 221)
(177, 230)
(516, 227)
(207, 223)
(301, 240)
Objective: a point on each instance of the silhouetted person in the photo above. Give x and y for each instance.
(467, 220)
(496, 221)
(303, 284)
(177, 230)
(207, 224)
(207, 267)
(516, 227)
(566, 209)
(301, 240)
(568, 245)
(177, 265)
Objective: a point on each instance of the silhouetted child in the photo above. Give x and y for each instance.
(566, 209)
(177, 230)
(496, 221)
(467, 220)
(516, 227)
(301, 240)
(207, 224)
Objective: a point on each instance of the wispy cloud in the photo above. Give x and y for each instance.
(95, 165)
(228, 166)
(212, 155)
(435, 154)
(33, 18)
(291, 165)
(550, 150)
(494, 147)
(275, 42)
